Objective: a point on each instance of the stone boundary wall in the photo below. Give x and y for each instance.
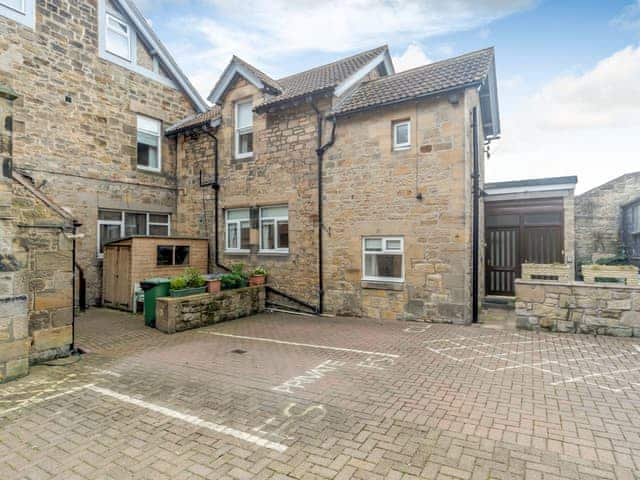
(185, 313)
(560, 272)
(627, 273)
(577, 307)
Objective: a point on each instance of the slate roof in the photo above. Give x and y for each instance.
(195, 120)
(323, 78)
(419, 82)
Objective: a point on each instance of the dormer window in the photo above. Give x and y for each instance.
(244, 129)
(118, 38)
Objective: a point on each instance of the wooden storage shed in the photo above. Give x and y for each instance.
(130, 260)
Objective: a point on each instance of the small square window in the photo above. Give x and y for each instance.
(165, 255)
(402, 135)
(182, 255)
(383, 259)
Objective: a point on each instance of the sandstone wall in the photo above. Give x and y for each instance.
(83, 154)
(195, 311)
(599, 216)
(604, 309)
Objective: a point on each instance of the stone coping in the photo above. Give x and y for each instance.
(622, 286)
(202, 296)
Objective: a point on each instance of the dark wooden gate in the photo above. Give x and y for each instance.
(517, 233)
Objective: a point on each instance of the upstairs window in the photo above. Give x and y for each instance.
(149, 144)
(244, 129)
(402, 135)
(116, 224)
(118, 38)
(383, 259)
(274, 229)
(17, 5)
(238, 229)
(21, 11)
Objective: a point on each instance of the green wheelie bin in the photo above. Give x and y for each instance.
(153, 288)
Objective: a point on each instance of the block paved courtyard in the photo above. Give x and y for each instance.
(277, 396)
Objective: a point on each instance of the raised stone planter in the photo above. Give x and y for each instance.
(558, 272)
(185, 313)
(627, 274)
(578, 307)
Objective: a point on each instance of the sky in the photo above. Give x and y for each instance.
(568, 70)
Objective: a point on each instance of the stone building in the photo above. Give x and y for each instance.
(96, 89)
(600, 229)
(350, 183)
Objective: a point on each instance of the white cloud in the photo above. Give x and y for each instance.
(413, 57)
(270, 32)
(585, 125)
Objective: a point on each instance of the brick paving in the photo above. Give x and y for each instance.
(277, 396)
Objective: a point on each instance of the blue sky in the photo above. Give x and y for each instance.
(568, 71)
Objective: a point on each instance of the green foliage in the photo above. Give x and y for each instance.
(232, 280)
(614, 260)
(238, 269)
(194, 278)
(260, 271)
(178, 283)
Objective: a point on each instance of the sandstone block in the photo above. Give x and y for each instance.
(52, 338)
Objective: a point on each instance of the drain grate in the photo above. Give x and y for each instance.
(239, 351)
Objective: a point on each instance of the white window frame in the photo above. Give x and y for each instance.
(242, 131)
(25, 14)
(22, 9)
(238, 223)
(155, 134)
(122, 224)
(401, 146)
(384, 251)
(275, 220)
(108, 29)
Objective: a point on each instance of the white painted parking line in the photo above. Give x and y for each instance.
(36, 401)
(193, 420)
(309, 345)
(592, 375)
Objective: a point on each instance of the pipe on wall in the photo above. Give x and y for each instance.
(476, 217)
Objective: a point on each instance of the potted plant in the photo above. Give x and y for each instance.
(189, 283)
(258, 277)
(214, 285)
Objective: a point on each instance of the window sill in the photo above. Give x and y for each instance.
(402, 149)
(274, 253)
(243, 156)
(382, 285)
(237, 252)
(149, 170)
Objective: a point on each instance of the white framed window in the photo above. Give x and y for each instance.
(116, 224)
(118, 37)
(274, 229)
(17, 5)
(244, 129)
(383, 259)
(402, 135)
(21, 11)
(149, 144)
(237, 228)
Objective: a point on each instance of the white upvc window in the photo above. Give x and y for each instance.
(402, 135)
(21, 11)
(118, 37)
(274, 229)
(17, 5)
(149, 144)
(237, 228)
(116, 224)
(244, 129)
(383, 259)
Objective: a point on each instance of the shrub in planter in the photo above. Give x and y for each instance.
(189, 283)
(258, 277)
(232, 280)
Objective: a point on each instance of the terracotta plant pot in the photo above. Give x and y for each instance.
(214, 286)
(255, 280)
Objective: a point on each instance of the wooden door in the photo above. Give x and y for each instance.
(502, 262)
(542, 245)
(117, 276)
(123, 284)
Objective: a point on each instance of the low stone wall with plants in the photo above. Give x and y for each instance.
(176, 314)
(577, 307)
(626, 274)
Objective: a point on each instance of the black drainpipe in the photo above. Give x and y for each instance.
(216, 195)
(320, 153)
(73, 287)
(476, 217)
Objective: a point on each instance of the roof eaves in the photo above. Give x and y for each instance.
(338, 113)
(150, 36)
(277, 103)
(383, 58)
